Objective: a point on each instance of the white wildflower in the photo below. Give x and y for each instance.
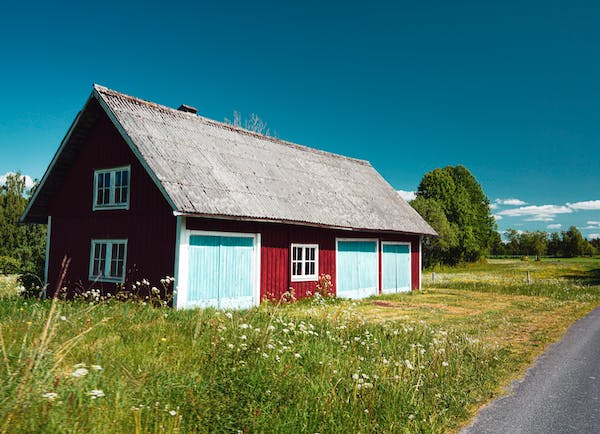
(96, 367)
(79, 372)
(50, 396)
(96, 393)
(444, 363)
(408, 364)
(63, 318)
(243, 326)
(172, 412)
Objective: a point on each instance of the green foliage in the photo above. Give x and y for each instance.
(25, 245)
(566, 244)
(470, 227)
(435, 250)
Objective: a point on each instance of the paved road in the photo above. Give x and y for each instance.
(559, 394)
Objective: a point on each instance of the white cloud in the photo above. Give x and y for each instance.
(493, 205)
(28, 180)
(407, 195)
(539, 213)
(593, 236)
(593, 225)
(554, 226)
(588, 205)
(511, 202)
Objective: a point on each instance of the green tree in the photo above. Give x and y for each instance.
(466, 208)
(435, 250)
(24, 244)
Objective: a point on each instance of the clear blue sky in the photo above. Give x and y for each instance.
(509, 90)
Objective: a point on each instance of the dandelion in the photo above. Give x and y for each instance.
(231, 346)
(172, 412)
(444, 363)
(50, 396)
(355, 376)
(96, 393)
(244, 326)
(63, 318)
(297, 355)
(79, 372)
(243, 337)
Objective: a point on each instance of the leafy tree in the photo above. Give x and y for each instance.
(25, 245)
(435, 250)
(466, 208)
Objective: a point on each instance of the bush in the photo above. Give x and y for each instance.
(9, 265)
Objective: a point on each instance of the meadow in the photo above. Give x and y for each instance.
(419, 362)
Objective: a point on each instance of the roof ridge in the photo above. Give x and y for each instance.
(103, 89)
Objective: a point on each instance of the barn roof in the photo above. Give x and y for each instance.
(208, 168)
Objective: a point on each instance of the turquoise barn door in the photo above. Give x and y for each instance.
(221, 271)
(357, 268)
(236, 273)
(395, 268)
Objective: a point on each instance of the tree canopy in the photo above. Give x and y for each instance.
(22, 247)
(569, 243)
(467, 229)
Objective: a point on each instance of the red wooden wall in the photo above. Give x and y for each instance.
(148, 225)
(276, 240)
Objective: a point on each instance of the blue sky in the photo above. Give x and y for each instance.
(510, 90)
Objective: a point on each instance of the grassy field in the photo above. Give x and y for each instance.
(420, 362)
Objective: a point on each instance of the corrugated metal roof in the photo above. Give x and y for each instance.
(210, 168)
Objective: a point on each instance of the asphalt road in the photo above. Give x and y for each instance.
(559, 394)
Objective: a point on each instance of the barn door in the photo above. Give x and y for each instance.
(357, 268)
(395, 267)
(221, 271)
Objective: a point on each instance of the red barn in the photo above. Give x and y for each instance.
(138, 190)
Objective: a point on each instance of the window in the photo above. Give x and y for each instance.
(111, 188)
(107, 260)
(305, 262)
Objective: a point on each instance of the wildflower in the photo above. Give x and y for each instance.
(79, 372)
(409, 365)
(231, 346)
(297, 355)
(50, 396)
(96, 393)
(172, 412)
(243, 337)
(96, 367)
(244, 326)
(63, 318)
(163, 339)
(355, 376)
(444, 363)
(229, 315)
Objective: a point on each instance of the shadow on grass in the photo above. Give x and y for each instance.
(589, 277)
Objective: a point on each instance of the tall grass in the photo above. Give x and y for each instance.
(126, 367)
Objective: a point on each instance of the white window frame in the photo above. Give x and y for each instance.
(111, 204)
(304, 277)
(107, 261)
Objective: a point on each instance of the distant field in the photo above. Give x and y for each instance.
(419, 362)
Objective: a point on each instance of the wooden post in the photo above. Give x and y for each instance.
(433, 277)
(528, 278)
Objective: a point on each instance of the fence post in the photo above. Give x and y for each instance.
(433, 277)
(528, 278)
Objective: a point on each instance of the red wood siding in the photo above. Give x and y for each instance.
(148, 225)
(276, 240)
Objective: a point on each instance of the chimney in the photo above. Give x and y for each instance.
(188, 109)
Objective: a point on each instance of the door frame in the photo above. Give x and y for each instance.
(378, 267)
(182, 259)
(407, 243)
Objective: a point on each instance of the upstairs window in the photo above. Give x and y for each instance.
(111, 188)
(107, 260)
(305, 262)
